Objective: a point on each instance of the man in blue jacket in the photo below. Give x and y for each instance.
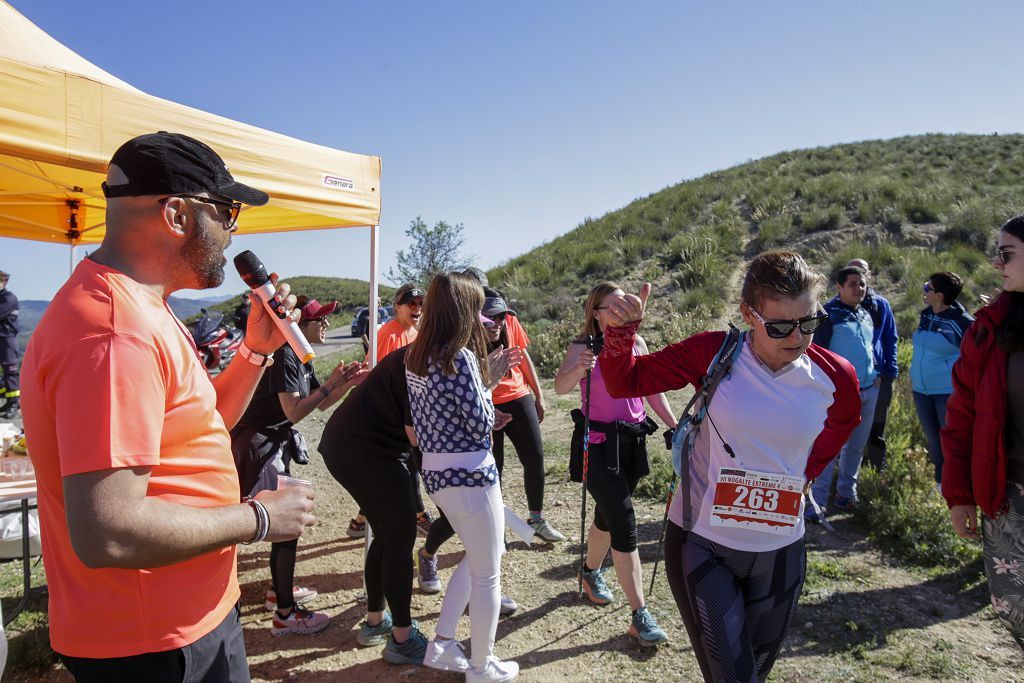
(848, 332)
(884, 344)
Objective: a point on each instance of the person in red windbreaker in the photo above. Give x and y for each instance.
(983, 440)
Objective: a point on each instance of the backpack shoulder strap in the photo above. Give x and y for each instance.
(718, 369)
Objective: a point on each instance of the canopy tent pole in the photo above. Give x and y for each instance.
(374, 256)
(372, 355)
(71, 264)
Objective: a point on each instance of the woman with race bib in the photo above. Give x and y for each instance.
(734, 549)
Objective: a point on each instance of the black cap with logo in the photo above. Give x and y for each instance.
(172, 163)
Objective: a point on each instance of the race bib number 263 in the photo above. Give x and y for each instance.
(758, 501)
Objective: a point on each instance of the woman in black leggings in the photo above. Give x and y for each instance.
(512, 395)
(617, 460)
(367, 449)
(263, 444)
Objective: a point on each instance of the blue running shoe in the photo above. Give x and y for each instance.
(411, 651)
(645, 629)
(369, 636)
(596, 590)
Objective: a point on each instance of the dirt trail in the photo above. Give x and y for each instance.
(862, 617)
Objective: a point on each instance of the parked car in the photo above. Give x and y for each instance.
(361, 320)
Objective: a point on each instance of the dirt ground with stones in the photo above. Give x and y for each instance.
(862, 616)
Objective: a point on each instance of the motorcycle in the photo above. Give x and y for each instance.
(216, 340)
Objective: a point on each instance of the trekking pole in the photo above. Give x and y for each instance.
(661, 536)
(595, 346)
(809, 495)
(558, 491)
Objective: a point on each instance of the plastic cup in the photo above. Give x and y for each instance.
(284, 481)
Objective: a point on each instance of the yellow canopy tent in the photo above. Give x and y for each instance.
(61, 118)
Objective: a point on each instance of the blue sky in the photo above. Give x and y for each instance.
(521, 119)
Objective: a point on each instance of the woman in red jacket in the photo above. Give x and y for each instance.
(983, 440)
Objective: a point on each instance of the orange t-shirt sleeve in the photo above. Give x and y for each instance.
(109, 404)
(386, 345)
(516, 333)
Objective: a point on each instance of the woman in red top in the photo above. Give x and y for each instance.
(983, 440)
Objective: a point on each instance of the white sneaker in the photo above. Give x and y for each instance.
(494, 671)
(446, 655)
(508, 606)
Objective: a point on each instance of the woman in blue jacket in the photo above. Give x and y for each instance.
(936, 347)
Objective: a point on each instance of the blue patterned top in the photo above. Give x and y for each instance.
(451, 414)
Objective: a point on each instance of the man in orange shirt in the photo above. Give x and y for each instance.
(138, 494)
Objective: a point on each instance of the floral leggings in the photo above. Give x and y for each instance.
(1004, 561)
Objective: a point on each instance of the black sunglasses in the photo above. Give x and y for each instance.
(780, 329)
(1004, 254)
(234, 208)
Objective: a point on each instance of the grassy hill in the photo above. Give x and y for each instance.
(911, 206)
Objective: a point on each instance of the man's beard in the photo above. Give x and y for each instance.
(204, 257)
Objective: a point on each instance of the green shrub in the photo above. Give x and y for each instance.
(902, 510)
(922, 209)
(775, 232)
(904, 514)
(973, 223)
(656, 484)
(548, 343)
(818, 218)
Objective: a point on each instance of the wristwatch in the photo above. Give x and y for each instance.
(255, 358)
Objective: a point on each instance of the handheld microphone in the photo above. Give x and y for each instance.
(255, 275)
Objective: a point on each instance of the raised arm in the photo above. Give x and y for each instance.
(658, 402)
(674, 367)
(235, 386)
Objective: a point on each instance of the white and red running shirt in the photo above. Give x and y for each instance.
(783, 428)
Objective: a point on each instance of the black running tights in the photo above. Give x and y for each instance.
(282, 572)
(382, 488)
(524, 432)
(736, 605)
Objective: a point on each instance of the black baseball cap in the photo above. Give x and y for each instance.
(407, 293)
(496, 305)
(172, 163)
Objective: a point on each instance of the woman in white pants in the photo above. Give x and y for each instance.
(452, 416)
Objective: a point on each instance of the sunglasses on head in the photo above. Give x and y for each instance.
(1004, 254)
(780, 329)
